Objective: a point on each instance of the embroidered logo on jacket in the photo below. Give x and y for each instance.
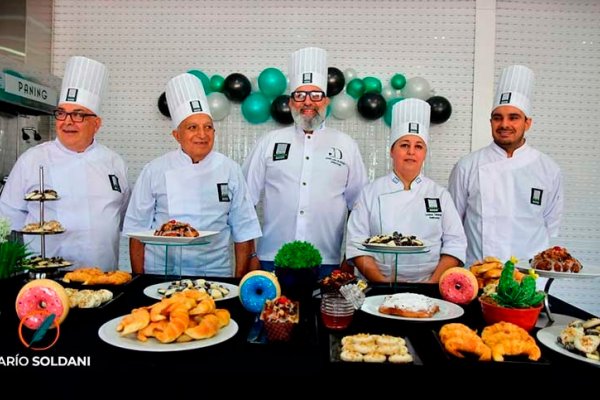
(114, 183)
(536, 196)
(281, 151)
(223, 189)
(433, 208)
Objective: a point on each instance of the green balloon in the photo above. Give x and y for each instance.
(355, 88)
(256, 108)
(203, 78)
(272, 82)
(216, 83)
(387, 117)
(372, 84)
(398, 81)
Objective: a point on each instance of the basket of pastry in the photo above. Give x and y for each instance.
(280, 316)
(95, 276)
(176, 229)
(495, 343)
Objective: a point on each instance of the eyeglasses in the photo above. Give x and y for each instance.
(76, 116)
(315, 95)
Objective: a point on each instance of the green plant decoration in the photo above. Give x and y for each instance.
(298, 255)
(513, 294)
(12, 253)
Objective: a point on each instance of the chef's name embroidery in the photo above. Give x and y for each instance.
(335, 155)
(281, 151)
(433, 208)
(536, 196)
(114, 183)
(223, 190)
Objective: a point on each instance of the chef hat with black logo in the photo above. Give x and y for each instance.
(308, 66)
(185, 97)
(410, 117)
(515, 88)
(84, 83)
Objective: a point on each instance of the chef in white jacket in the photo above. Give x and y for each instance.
(90, 179)
(196, 185)
(508, 194)
(407, 202)
(310, 174)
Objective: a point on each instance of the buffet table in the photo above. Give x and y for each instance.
(309, 352)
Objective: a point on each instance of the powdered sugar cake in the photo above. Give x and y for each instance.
(410, 305)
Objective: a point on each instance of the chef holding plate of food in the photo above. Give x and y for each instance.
(410, 204)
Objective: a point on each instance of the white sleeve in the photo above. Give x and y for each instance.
(140, 212)
(358, 226)
(553, 213)
(12, 202)
(458, 188)
(255, 169)
(454, 240)
(357, 178)
(242, 216)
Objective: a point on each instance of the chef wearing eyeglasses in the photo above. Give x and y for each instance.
(310, 174)
(90, 179)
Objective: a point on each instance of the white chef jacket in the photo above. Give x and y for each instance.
(310, 181)
(425, 211)
(210, 195)
(93, 190)
(509, 206)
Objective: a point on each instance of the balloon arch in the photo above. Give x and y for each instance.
(349, 94)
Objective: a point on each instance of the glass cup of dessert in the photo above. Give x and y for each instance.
(336, 311)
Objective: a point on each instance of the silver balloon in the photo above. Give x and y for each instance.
(349, 74)
(388, 92)
(219, 105)
(343, 106)
(418, 88)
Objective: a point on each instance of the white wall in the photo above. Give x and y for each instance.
(146, 42)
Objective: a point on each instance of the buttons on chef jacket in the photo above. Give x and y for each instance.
(307, 157)
(308, 136)
(303, 183)
(301, 212)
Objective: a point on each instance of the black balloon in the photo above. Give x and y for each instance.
(237, 87)
(371, 105)
(335, 81)
(280, 110)
(162, 105)
(441, 109)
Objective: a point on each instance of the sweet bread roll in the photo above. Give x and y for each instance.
(410, 305)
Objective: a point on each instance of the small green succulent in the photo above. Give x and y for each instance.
(297, 255)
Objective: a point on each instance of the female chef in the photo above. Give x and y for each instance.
(407, 202)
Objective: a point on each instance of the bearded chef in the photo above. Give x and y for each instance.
(196, 185)
(508, 194)
(90, 179)
(310, 174)
(407, 202)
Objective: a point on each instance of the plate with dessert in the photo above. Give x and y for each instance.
(557, 262)
(396, 242)
(173, 232)
(411, 307)
(217, 290)
(578, 340)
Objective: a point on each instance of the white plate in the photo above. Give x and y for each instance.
(148, 237)
(585, 273)
(380, 247)
(447, 310)
(548, 337)
(152, 290)
(108, 333)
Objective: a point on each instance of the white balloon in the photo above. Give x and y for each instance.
(349, 74)
(418, 88)
(254, 84)
(343, 106)
(219, 105)
(388, 92)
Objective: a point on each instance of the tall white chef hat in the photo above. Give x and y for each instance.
(84, 83)
(185, 96)
(515, 88)
(410, 117)
(308, 66)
